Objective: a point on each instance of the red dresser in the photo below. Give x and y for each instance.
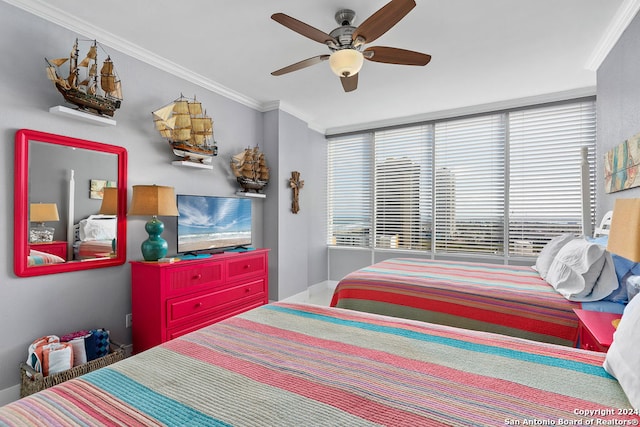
(171, 299)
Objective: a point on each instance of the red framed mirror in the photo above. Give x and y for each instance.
(64, 219)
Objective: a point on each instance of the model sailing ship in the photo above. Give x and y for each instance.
(188, 129)
(84, 87)
(250, 169)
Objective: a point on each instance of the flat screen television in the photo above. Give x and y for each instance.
(212, 223)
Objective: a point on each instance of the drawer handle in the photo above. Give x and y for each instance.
(247, 266)
(198, 305)
(197, 276)
(246, 290)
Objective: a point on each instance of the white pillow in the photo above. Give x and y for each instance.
(549, 252)
(623, 357)
(98, 227)
(583, 271)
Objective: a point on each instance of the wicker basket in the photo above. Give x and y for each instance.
(33, 381)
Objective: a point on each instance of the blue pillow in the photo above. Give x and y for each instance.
(624, 268)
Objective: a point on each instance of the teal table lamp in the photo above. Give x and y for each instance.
(154, 200)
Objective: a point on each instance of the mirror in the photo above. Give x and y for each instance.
(62, 220)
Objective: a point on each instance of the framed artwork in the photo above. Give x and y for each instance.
(96, 188)
(621, 166)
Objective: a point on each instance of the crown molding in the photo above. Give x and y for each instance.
(466, 111)
(283, 106)
(51, 14)
(623, 17)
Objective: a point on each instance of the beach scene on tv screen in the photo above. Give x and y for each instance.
(213, 222)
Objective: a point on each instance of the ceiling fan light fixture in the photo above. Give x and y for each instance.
(346, 62)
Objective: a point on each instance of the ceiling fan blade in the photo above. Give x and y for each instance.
(381, 21)
(392, 55)
(304, 29)
(300, 65)
(350, 83)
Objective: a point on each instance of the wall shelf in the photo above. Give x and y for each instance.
(247, 194)
(81, 115)
(188, 164)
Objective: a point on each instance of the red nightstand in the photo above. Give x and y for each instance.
(58, 248)
(596, 329)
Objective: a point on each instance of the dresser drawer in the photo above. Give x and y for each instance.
(179, 309)
(247, 266)
(181, 278)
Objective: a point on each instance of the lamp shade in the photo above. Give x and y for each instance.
(109, 201)
(346, 62)
(624, 234)
(43, 212)
(154, 200)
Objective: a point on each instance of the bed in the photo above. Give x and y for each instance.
(93, 237)
(294, 364)
(91, 249)
(533, 302)
(512, 300)
(36, 258)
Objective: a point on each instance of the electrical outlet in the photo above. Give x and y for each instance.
(127, 320)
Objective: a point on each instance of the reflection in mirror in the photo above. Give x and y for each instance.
(109, 206)
(39, 213)
(83, 182)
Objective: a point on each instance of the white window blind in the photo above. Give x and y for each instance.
(350, 190)
(469, 185)
(545, 182)
(498, 184)
(403, 159)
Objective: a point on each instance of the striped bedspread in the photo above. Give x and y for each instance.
(511, 300)
(303, 365)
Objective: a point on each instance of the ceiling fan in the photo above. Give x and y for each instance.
(346, 42)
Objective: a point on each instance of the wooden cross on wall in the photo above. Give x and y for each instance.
(296, 184)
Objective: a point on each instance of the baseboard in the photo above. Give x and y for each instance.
(9, 394)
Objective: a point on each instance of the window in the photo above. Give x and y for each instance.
(544, 175)
(469, 165)
(498, 184)
(403, 163)
(350, 191)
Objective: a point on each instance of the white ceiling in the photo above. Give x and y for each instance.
(484, 51)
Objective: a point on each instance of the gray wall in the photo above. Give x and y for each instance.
(62, 303)
(294, 155)
(297, 241)
(314, 207)
(618, 101)
(273, 191)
